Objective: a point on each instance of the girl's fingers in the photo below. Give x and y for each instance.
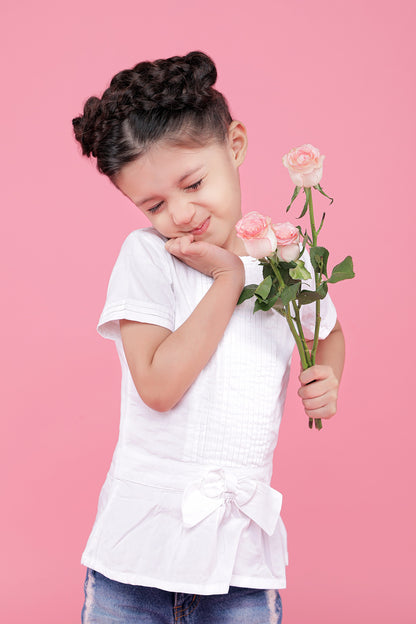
(175, 243)
(318, 371)
(320, 401)
(318, 388)
(327, 411)
(183, 245)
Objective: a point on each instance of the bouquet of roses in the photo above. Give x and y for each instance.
(279, 249)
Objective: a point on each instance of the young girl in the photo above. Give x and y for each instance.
(188, 528)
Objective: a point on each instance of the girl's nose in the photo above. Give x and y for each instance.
(182, 213)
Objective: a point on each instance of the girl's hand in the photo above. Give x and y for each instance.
(151, 349)
(205, 257)
(319, 391)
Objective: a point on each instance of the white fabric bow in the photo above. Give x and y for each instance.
(255, 499)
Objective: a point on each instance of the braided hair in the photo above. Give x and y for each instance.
(171, 99)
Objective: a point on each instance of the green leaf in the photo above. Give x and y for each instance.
(264, 287)
(265, 305)
(295, 194)
(303, 249)
(247, 293)
(319, 259)
(284, 272)
(304, 236)
(279, 305)
(289, 293)
(321, 224)
(319, 188)
(343, 270)
(299, 272)
(268, 270)
(280, 308)
(287, 265)
(322, 290)
(307, 296)
(305, 208)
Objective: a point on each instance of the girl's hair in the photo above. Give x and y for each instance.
(170, 99)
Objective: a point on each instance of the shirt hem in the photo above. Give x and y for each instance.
(188, 588)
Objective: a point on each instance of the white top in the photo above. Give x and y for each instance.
(187, 504)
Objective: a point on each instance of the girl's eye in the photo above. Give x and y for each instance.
(193, 187)
(196, 185)
(155, 208)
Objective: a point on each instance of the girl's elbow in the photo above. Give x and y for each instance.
(157, 399)
(158, 404)
(160, 394)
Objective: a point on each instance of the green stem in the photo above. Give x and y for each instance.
(295, 335)
(316, 334)
(301, 334)
(299, 337)
(277, 273)
(308, 192)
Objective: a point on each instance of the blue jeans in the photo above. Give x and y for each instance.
(111, 602)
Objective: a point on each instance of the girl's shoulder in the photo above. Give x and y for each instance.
(145, 237)
(146, 242)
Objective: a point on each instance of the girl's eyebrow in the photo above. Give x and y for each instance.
(188, 173)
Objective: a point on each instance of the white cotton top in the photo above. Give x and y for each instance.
(187, 504)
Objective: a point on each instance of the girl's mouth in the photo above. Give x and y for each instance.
(202, 228)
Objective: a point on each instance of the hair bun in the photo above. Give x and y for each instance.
(202, 72)
(191, 78)
(174, 83)
(85, 126)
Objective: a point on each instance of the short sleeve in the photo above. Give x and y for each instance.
(140, 286)
(307, 312)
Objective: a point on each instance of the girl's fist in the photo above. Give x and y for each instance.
(319, 391)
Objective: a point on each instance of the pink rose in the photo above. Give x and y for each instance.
(305, 165)
(287, 238)
(257, 234)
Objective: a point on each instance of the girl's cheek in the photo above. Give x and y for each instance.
(163, 224)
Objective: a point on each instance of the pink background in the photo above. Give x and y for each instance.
(337, 74)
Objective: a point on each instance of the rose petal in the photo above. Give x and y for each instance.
(313, 178)
(286, 233)
(296, 178)
(252, 225)
(288, 253)
(260, 247)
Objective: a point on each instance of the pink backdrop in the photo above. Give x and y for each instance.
(337, 74)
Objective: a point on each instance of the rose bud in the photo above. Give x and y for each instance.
(287, 239)
(305, 165)
(257, 234)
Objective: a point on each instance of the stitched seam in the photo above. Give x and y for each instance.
(182, 611)
(182, 608)
(195, 605)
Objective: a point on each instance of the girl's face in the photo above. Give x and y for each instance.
(190, 190)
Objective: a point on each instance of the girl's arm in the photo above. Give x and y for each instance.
(164, 364)
(320, 383)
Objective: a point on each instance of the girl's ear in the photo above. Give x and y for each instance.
(237, 140)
